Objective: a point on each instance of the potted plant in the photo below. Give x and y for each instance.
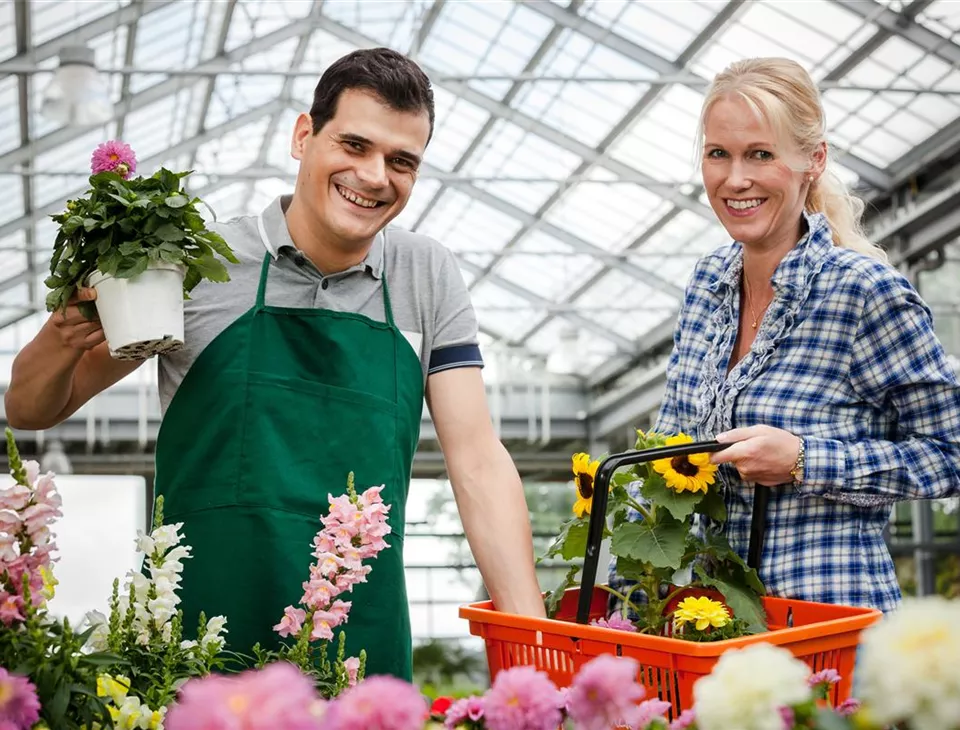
(142, 244)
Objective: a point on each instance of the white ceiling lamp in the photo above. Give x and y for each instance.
(78, 94)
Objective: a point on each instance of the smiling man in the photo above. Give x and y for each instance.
(311, 363)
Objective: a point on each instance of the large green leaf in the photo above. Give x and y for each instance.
(210, 268)
(713, 505)
(133, 266)
(744, 603)
(660, 544)
(169, 232)
(729, 561)
(220, 246)
(176, 201)
(572, 541)
(554, 597)
(679, 504)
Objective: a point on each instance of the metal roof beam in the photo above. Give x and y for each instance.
(868, 172)
(149, 96)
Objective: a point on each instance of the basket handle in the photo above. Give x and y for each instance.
(598, 510)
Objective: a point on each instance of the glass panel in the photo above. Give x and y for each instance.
(460, 222)
(9, 114)
(257, 18)
(422, 194)
(666, 28)
(171, 37)
(11, 202)
(13, 256)
(591, 349)
(392, 24)
(152, 129)
(501, 310)
(457, 124)
(74, 155)
(322, 50)
(232, 152)
(8, 32)
(546, 266)
(51, 20)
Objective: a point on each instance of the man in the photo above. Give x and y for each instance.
(312, 362)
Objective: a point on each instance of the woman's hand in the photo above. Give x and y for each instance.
(761, 454)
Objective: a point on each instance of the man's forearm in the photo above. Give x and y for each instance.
(497, 524)
(41, 382)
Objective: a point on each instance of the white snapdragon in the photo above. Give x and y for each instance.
(213, 640)
(908, 668)
(748, 687)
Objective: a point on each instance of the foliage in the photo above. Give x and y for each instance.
(661, 548)
(120, 227)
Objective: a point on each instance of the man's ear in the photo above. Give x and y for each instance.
(302, 132)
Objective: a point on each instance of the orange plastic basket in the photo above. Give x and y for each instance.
(824, 636)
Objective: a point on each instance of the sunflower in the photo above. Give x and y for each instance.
(702, 613)
(693, 473)
(584, 472)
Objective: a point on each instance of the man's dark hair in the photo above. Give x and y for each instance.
(397, 80)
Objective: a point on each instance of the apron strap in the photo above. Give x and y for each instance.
(388, 310)
(262, 286)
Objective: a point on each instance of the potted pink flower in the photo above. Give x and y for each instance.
(142, 244)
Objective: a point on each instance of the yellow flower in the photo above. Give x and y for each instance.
(702, 612)
(584, 472)
(113, 687)
(692, 473)
(49, 582)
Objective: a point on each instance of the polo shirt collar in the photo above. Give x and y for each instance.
(276, 238)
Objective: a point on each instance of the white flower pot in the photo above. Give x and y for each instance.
(141, 316)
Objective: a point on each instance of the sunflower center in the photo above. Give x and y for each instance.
(682, 465)
(585, 485)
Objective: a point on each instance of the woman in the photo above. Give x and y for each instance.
(803, 348)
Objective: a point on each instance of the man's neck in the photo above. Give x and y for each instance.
(316, 244)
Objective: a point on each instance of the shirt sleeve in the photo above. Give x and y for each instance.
(900, 368)
(455, 343)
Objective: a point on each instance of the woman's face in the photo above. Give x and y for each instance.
(756, 185)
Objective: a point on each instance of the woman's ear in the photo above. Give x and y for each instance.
(819, 162)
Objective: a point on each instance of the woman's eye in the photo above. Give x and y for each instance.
(715, 153)
(763, 155)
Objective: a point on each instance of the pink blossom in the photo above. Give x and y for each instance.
(604, 693)
(114, 156)
(522, 698)
(15, 497)
(318, 592)
(277, 696)
(45, 492)
(328, 564)
(381, 702)
(683, 722)
(825, 676)
(10, 605)
(339, 610)
(38, 516)
(323, 624)
(9, 548)
(324, 544)
(788, 717)
(371, 497)
(648, 711)
(19, 706)
(292, 621)
(352, 666)
(616, 621)
(848, 707)
(32, 469)
(469, 708)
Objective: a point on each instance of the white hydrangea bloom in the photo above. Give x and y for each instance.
(748, 687)
(909, 665)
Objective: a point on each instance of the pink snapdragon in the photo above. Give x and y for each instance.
(19, 705)
(114, 156)
(353, 531)
(27, 509)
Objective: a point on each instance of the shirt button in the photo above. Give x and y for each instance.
(325, 284)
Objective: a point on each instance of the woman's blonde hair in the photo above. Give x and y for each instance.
(781, 92)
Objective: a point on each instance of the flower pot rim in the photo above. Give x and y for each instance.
(96, 277)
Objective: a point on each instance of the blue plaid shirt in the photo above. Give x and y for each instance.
(846, 357)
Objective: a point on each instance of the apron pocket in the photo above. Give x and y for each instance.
(326, 431)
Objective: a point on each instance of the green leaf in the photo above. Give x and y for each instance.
(556, 595)
(713, 505)
(679, 504)
(729, 561)
(169, 232)
(176, 201)
(631, 569)
(661, 544)
(126, 203)
(90, 223)
(210, 268)
(827, 719)
(57, 707)
(130, 247)
(220, 246)
(744, 603)
(131, 267)
(572, 541)
(169, 180)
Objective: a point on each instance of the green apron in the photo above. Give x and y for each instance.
(268, 421)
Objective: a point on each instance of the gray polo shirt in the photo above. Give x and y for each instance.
(431, 304)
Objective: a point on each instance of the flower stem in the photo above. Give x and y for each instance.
(617, 594)
(631, 502)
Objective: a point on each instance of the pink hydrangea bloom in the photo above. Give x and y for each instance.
(19, 705)
(522, 698)
(848, 707)
(463, 710)
(382, 702)
(277, 696)
(616, 621)
(825, 676)
(685, 720)
(114, 156)
(605, 693)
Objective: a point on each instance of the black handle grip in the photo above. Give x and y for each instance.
(598, 509)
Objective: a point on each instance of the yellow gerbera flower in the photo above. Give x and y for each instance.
(584, 472)
(702, 612)
(692, 473)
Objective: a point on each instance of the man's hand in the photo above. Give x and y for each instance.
(73, 328)
(488, 491)
(762, 454)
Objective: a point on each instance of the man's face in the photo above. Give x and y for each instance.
(357, 172)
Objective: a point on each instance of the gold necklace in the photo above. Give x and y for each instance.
(746, 296)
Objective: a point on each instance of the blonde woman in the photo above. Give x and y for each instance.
(802, 347)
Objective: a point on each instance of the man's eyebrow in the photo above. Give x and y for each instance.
(359, 139)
